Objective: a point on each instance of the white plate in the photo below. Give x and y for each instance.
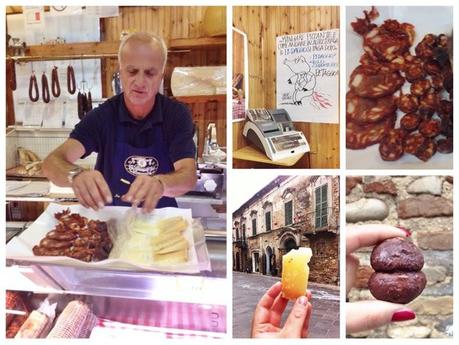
(20, 248)
(426, 20)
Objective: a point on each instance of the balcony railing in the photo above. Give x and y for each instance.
(240, 243)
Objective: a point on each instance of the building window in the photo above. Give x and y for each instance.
(243, 232)
(254, 226)
(268, 220)
(288, 206)
(237, 234)
(321, 198)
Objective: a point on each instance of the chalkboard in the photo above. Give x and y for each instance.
(307, 76)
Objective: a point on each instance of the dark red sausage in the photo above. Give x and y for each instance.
(71, 86)
(12, 79)
(44, 88)
(432, 67)
(437, 82)
(426, 150)
(391, 145)
(55, 87)
(414, 71)
(420, 87)
(408, 103)
(445, 145)
(89, 102)
(429, 128)
(80, 104)
(33, 86)
(412, 143)
(410, 122)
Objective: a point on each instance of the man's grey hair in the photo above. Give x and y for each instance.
(146, 38)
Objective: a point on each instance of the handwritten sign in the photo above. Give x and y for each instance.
(307, 76)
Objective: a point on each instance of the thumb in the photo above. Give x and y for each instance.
(366, 315)
(294, 324)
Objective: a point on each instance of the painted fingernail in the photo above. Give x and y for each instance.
(403, 315)
(109, 199)
(302, 300)
(407, 232)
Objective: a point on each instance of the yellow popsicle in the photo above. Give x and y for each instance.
(295, 272)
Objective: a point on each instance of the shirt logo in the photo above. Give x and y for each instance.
(140, 165)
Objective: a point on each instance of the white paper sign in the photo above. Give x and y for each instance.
(33, 15)
(308, 74)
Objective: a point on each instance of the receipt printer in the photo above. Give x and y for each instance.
(273, 132)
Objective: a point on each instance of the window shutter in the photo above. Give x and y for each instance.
(288, 212)
(268, 220)
(321, 207)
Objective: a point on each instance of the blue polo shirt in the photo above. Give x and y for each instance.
(97, 130)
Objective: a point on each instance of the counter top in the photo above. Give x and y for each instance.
(189, 288)
(42, 194)
(249, 153)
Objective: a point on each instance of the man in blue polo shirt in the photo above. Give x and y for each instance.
(144, 140)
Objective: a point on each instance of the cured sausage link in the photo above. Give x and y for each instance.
(55, 87)
(71, 86)
(33, 87)
(45, 88)
(12, 79)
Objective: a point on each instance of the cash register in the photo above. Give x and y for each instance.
(273, 132)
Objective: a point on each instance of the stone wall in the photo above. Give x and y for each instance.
(424, 205)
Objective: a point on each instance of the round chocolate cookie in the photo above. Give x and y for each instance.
(398, 277)
(396, 254)
(400, 287)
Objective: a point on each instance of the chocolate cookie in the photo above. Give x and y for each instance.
(398, 277)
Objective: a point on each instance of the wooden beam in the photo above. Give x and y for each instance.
(197, 43)
(74, 49)
(201, 99)
(108, 49)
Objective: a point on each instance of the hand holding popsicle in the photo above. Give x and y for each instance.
(268, 314)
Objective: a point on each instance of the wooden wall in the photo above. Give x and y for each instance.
(238, 53)
(171, 23)
(263, 25)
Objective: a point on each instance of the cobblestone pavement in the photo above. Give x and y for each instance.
(248, 289)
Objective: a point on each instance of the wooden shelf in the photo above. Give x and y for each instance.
(201, 99)
(98, 50)
(197, 43)
(249, 153)
(68, 51)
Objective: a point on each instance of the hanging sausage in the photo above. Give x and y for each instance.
(71, 86)
(33, 87)
(80, 103)
(12, 79)
(89, 102)
(55, 87)
(44, 88)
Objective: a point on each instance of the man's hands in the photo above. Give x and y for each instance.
(268, 314)
(146, 189)
(91, 189)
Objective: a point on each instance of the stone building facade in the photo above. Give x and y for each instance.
(290, 212)
(424, 205)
